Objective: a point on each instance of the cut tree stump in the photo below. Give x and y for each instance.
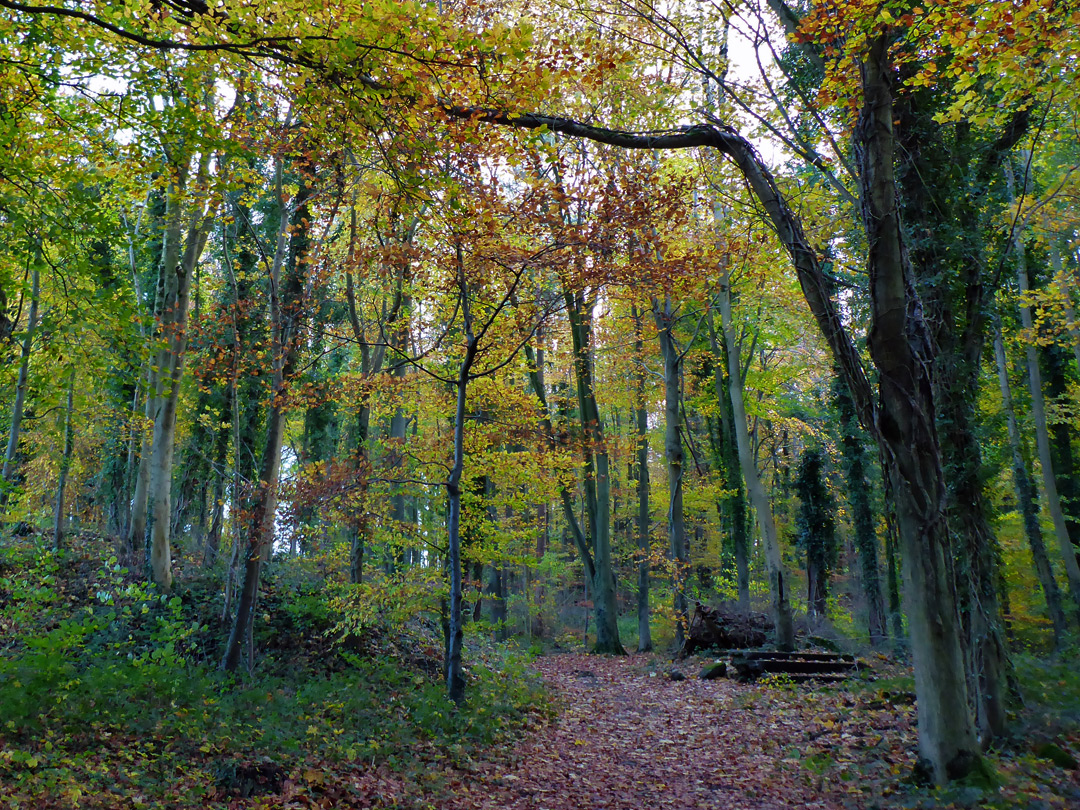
(750, 665)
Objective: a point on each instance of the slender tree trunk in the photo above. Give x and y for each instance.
(778, 582)
(286, 312)
(536, 623)
(262, 505)
(180, 270)
(455, 678)
(124, 497)
(371, 366)
(137, 523)
(1025, 497)
(1042, 433)
(171, 216)
(65, 462)
(217, 467)
(597, 478)
(641, 475)
(729, 462)
(1056, 380)
(399, 424)
(21, 384)
(673, 451)
(217, 518)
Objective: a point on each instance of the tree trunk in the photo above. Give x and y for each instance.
(261, 506)
(902, 352)
(137, 523)
(778, 582)
(399, 424)
(1066, 293)
(729, 463)
(597, 478)
(1025, 497)
(641, 475)
(1056, 379)
(65, 462)
(17, 408)
(673, 451)
(286, 312)
(455, 677)
(371, 366)
(1042, 433)
(179, 270)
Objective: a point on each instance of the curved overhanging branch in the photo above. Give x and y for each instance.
(716, 135)
(815, 285)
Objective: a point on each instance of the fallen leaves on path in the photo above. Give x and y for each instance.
(629, 737)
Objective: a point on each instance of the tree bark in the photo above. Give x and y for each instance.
(728, 458)
(1066, 285)
(287, 311)
(455, 677)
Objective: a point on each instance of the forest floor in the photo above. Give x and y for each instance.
(110, 697)
(626, 736)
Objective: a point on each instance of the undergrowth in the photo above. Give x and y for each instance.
(110, 694)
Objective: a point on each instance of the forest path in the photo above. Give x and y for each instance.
(626, 739)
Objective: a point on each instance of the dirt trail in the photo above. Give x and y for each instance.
(625, 739)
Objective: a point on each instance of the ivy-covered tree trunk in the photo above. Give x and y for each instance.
(945, 175)
(862, 517)
(65, 461)
(641, 478)
(901, 348)
(815, 525)
(22, 380)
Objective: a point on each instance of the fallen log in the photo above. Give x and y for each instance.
(723, 628)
